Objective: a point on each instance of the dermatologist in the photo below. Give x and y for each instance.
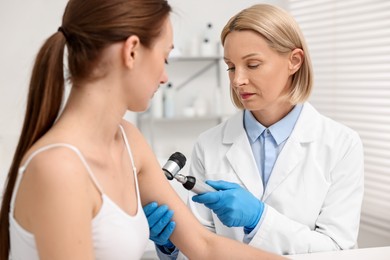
(289, 179)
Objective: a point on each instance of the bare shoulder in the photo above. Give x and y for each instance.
(55, 200)
(56, 165)
(54, 177)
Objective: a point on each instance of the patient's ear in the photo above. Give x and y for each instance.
(295, 60)
(130, 50)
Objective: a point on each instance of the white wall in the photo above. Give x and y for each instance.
(191, 17)
(24, 25)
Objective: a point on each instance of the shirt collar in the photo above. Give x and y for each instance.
(280, 131)
(252, 127)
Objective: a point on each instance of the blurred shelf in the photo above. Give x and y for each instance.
(180, 119)
(194, 58)
(194, 67)
(206, 62)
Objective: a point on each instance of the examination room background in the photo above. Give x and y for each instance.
(350, 48)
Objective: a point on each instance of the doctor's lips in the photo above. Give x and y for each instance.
(245, 95)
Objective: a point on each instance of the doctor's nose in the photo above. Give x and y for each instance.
(239, 79)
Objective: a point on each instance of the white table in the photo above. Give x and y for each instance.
(374, 253)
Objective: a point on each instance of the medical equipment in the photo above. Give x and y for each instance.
(171, 169)
(174, 164)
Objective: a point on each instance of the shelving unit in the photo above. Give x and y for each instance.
(213, 61)
(187, 74)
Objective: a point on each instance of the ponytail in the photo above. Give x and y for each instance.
(43, 104)
(88, 26)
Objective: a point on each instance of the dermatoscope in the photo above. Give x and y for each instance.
(171, 169)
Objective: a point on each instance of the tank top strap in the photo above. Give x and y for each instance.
(22, 169)
(130, 155)
(128, 149)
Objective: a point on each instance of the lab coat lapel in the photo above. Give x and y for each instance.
(287, 160)
(240, 156)
(293, 152)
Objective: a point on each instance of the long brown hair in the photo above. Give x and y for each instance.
(88, 26)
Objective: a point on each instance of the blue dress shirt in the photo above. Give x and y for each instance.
(266, 143)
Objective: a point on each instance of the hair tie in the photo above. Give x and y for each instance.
(62, 30)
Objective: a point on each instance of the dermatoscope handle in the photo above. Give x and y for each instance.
(198, 187)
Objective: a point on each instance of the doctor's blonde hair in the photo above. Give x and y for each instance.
(282, 33)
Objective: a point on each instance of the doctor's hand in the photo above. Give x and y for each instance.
(160, 224)
(234, 205)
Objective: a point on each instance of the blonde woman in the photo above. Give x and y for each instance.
(289, 179)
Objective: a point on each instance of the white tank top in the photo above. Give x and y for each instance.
(116, 235)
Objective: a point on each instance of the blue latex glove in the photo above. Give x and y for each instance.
(160, 224)
(234, 205)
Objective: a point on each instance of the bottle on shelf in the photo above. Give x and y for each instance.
(169, 102)
(207, 45)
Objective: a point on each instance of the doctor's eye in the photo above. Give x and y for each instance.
(253, 66)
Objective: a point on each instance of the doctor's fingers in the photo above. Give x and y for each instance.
(218, 206)
(223, 185)
(208, 197)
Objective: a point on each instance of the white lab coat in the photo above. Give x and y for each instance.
(314, 194)
(313, 197)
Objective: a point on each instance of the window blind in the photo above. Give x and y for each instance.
(349, 42)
